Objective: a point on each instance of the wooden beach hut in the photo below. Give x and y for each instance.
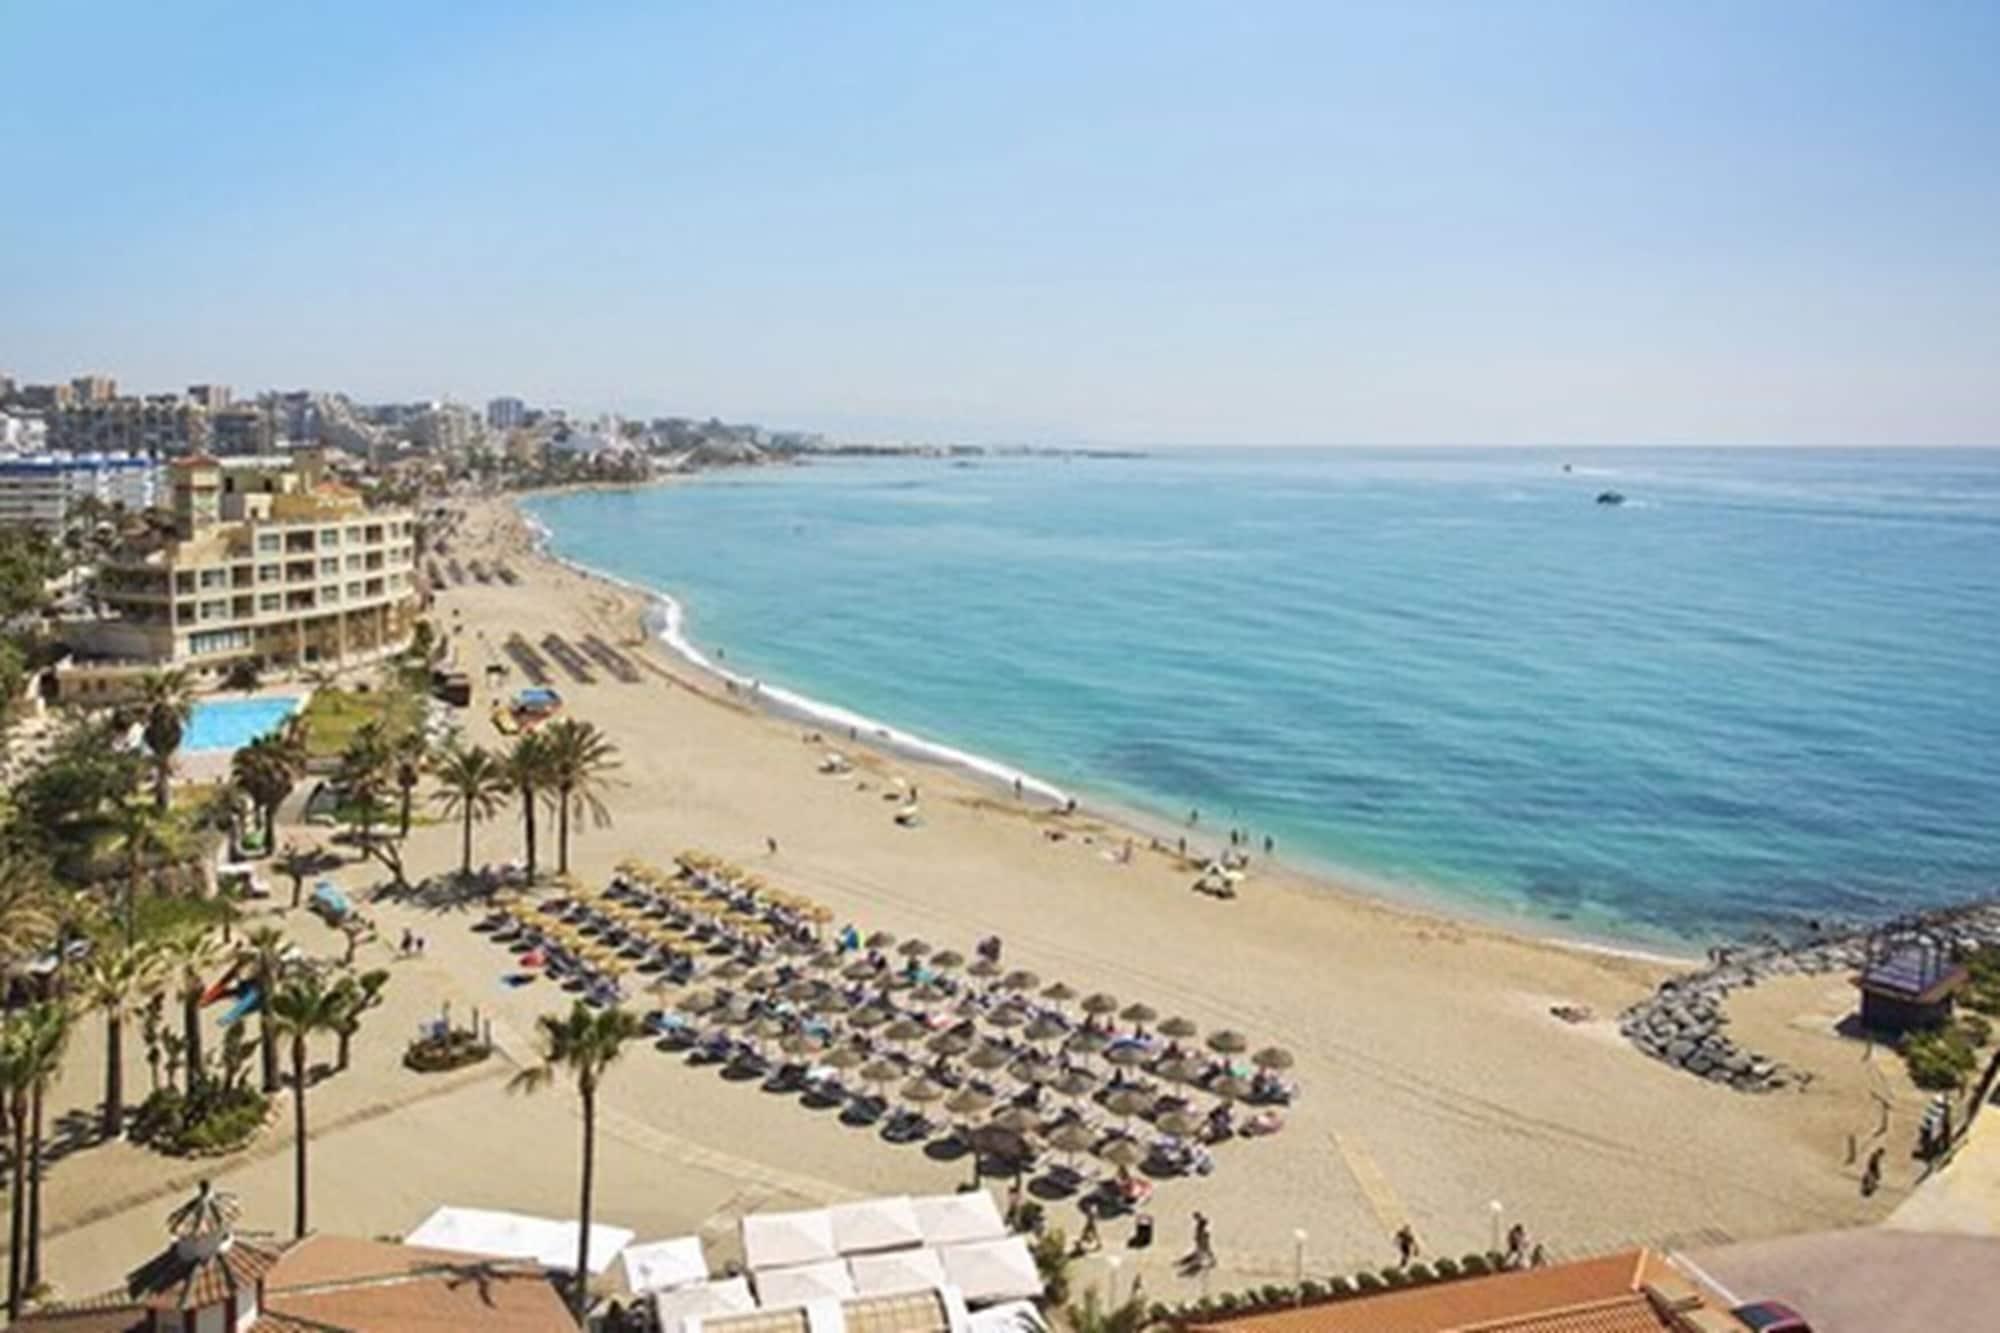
(1909, 987)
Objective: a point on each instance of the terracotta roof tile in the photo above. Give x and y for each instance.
(1633, 1314)
(1475, 1303)
(321, 1258)
(473, 1296)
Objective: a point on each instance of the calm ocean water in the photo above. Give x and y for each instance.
(1766, 689)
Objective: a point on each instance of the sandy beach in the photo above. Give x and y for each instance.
(1436, 1082)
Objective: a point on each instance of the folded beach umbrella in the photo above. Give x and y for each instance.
(1228, 1041)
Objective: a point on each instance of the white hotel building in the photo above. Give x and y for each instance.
(41, 490)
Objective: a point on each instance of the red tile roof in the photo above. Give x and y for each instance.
(1590, 1296)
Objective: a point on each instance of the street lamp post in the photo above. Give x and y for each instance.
(1299, 1263)
(1499, 1210)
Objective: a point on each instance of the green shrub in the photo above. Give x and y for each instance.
(1052, 1259)
(456, 1049)
(1976, 1030)
(1446, 1267)
(1276, 1294)
(1421, 1272)
(1395, 1277)
(1474, 1265)
(1309, 1290)
(216, 1120)
(1339, 1287)
(1161, 1313)
(1227, 1303)
(1939, 1061)
(1368, 1282)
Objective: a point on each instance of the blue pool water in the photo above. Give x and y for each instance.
(1764, 690)
(231, 724)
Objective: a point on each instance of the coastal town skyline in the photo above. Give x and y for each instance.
(1302, 224)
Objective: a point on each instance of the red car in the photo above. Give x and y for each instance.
(1771, 1317)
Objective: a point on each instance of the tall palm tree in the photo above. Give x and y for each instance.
(356, 994)
(267, 770)
(303, 1005)
(582, 1045)
(409, 754)
(262, 951)
(580, 758)
(29, 910)
(364, 772)
(165, 704)
(52, 1047)
(473, 784)
(191, 960)
(113, 983)
(144, 836)
(528, 774)
(31, 1046)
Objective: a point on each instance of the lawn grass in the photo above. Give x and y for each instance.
(334, 715)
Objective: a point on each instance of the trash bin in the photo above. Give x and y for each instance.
(1142, 1231)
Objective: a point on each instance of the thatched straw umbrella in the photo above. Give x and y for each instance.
(1007, 1016)
(1033, 1068)
(1020, 979)
(913, 948)
(1075, 1083)
(1228, 1041)
(1230, 1088)
(1139, 1014)
(1019, 1119)
(1128, 1055)
(1072, 1138)
(844, 1057)
(951, 1042)
(984, 967)
(1060, 992)
(1123, 1152)
(1272, 1057)
(905, 1030)
(1086, 1043)
(1128, 1102)
(869, 1016)
(1178, 1028)
(879, 1072)
(1046, 1029)
(1100, 1003)
(881, 939)
(1181, 1124)
(1182, 1070)
(990, 1057)
(969, 1102)
(947, 960)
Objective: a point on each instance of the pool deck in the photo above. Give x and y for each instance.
(213, 765)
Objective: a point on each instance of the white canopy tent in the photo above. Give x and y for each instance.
(875, 1224)
(993, 1270)
(703, 1299)
(540, 1240)
(827, 1280)
(776, 1240)
(892, 1272)
(662, 1265)
(950, 1219)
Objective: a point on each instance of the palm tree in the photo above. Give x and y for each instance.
(31, 1047)
(263, 952)
(528, 774)
(52, 1046)
(582, 1044)
(474, 782)
(408, 755)
(267, 770)
(28, 912)
(143, 834)
(579, 758)
(191, 958)
(113, 983)
(357, 993)
(297, 861)
(165, 704)
(364, 771)
(304, 1005)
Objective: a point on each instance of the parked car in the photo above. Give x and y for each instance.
(1771, 1317)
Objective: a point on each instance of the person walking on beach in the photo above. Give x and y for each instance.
(1406, 1245)
(1871, 1175)
(771, 845)
(1089, 1242)
(1204, 1242)
(1517, 1245)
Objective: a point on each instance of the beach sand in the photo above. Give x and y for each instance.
(1436, 1081)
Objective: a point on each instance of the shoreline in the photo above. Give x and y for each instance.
(664, 619)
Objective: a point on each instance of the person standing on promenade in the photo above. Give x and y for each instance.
(1406, 1245)
(1204, 1242)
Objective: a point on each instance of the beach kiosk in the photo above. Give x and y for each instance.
(1909, 987)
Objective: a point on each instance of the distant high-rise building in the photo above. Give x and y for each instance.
(245, 428)
(41, 490)
(214, 397)
(162, 424)
(94, 388)
(44, 397)
(505, 413)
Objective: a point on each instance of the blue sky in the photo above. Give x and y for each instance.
(1133, 223)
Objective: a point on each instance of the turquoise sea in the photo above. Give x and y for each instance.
(1765, 690)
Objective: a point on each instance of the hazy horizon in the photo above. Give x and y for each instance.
(1289, 224)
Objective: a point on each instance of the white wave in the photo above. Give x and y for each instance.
(669, 621)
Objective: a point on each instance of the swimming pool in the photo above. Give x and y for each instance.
(231, 724)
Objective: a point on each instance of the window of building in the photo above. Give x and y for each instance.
(268, 543)
(332, 595)
(269, 573)
(219, 641)
(353, 563)
(329, 566)
(329, 537)
(214, 578)
(217, 610)
(271, 601)
(184, 581)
